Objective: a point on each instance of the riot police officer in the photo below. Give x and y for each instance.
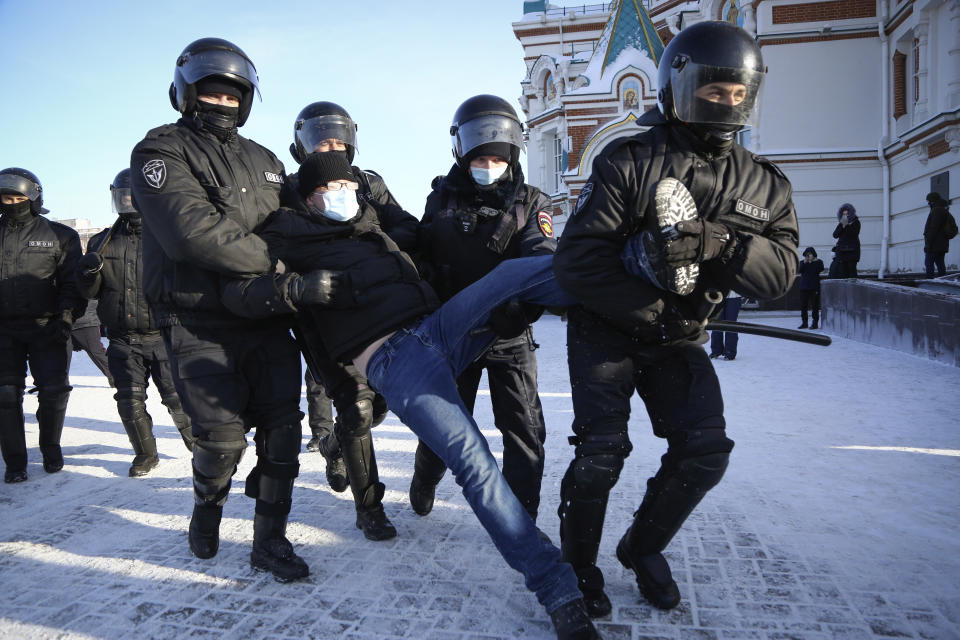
(111, 272)
(38, 302)
(201, 188)
(478, 215)
(326, 127)
(702, 214)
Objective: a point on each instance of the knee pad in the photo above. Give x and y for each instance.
(131, 409)
(217, 459)
(603, 440)
(54, 394)
(691, 443)
(10, 396)
(172, 403)
(380, 410)
(593, 475)
(130, 393)
(354, 420)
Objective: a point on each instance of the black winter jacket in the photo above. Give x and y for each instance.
(934, 237)
(810, 274)
(464, 233)
(385, 289)
(118, 285)
(38, 262)
(200, 200)
(746, 192)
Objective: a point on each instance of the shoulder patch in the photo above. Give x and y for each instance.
(275, 178)
(155, 173)
(752, 210)
(583, 198)
(545, 222)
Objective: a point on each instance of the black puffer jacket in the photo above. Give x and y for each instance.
(935, 239)
(200, 200)
(465, 232)
(848, 236)
(743, 191)
(385, 289)
(118, 285)
(38, 262)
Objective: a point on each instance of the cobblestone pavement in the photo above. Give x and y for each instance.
(805, 538)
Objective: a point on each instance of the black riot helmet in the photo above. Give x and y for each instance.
(321, 121)
(121, 195)
(208, 57)
(705, 53)
(486, 125)
(17, 181)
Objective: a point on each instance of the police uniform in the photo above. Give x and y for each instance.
(85, 336)
(38, 301)
(463, 236)
(629, 335)
(136, 351)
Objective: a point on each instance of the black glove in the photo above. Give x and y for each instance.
(318, 287)
(90, 263)
(695, 241)
(58, 329)
(513, 317)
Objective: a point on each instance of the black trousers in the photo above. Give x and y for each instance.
(135, 358)
(319, 406)
(88, 339)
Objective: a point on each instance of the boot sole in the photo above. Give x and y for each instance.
(262, 564)
(673, 204)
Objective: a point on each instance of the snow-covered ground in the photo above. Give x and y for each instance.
(838, 518)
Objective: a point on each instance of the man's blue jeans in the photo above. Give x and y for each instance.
(416, 370)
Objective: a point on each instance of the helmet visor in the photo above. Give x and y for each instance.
(312, 131)
(12, 183)
(706, 94)
(122, 201)
(217, 62)
(484, 129)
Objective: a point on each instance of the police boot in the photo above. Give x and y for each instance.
(51, 410)
(271, 483)
(13, 443)
(803, 318)
(213, 465)
(314, 443)
(571, 622)
(428, 469)
(361, 465)
(180, 420)
(671, 496)
(584, 491)
(336, 471)
(139, 427)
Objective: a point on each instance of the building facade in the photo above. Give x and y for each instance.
(861, 104)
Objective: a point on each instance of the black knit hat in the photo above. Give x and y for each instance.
(811, 251)
(934, 198)
(501, 149)
(218, 84)
(320, 168)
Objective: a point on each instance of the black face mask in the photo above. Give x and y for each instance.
(715, 138)
(218, 119)
(19, 211)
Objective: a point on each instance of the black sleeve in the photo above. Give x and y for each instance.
(89, 286)
(394, 220)
(537, 234)
(70, 253)
(183, 218)
(267, 294)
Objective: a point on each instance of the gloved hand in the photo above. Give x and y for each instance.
(58, 328)
(90, 263)
(695, 241)
(319, 287)
(513, 317)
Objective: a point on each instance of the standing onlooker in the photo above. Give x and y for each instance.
(85, 336)
(847, 249)
(38, 301)
(809, 271)
(937, 233)
(723, 344)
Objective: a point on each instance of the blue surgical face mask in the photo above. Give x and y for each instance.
(340, 205)
(486, 177)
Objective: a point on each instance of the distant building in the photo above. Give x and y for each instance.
(84, 229)
(862, 103)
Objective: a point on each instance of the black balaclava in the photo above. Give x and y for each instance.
(19, 212)
(218, 119)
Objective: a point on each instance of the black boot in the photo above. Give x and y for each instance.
(816, 320)
(139, 427)
(13, 443)
(205, 529)
(361, 466)
(654, 579)
(336, 470)
(428, 470)
(572, 622)
(51, 410)
(314, 443)
(273, 552)
(180, 420)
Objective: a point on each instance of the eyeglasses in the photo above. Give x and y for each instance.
(336, 186)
